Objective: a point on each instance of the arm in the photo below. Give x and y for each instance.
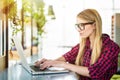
(37, 63)
(106, 64)
(61, 59)
(77, 69)
(61, 63)
(68, 57)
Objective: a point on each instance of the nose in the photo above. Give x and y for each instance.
(79, 30)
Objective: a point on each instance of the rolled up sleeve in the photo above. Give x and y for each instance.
(70, 56)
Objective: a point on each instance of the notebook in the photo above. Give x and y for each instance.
(31, 68)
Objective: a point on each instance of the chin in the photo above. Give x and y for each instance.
(83, 36)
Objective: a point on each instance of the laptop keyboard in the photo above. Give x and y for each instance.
(35, 68)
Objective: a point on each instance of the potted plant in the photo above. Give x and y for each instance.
(40, 20)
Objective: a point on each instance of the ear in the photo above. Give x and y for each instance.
(94, 25)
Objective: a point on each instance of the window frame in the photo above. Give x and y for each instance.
(4, 35)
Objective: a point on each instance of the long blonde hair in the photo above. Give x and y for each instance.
(91, 15)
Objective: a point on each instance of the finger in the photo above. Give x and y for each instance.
(42, 67)
(45, 65)
(37, 63)
(43, 60)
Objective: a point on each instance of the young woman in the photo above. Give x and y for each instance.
(95, 57)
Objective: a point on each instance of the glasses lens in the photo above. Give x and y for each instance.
(80, 26)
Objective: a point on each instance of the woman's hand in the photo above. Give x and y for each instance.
(39, 62)
(50, 63)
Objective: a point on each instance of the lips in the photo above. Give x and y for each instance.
(81, 33)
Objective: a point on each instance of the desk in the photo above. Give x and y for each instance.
(17, 72)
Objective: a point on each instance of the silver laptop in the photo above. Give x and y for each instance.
(31, 68)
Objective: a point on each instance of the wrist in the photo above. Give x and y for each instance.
(63, 64)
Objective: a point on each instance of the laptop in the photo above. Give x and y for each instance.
(31, 68)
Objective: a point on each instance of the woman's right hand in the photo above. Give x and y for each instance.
(39, 62)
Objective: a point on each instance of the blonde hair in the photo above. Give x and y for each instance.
(91, 15)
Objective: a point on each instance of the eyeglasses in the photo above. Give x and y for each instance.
(81, 26)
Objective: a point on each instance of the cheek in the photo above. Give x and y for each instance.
(89, 31)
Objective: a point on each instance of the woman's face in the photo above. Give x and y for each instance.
(85, 28)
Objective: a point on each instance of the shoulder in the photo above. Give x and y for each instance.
(76, 46)
(109, 44)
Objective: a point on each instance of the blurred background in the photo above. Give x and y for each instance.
(46, 28)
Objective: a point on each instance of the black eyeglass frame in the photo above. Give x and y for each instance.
(81, 26)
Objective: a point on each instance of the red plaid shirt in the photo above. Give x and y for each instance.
(105, 66)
